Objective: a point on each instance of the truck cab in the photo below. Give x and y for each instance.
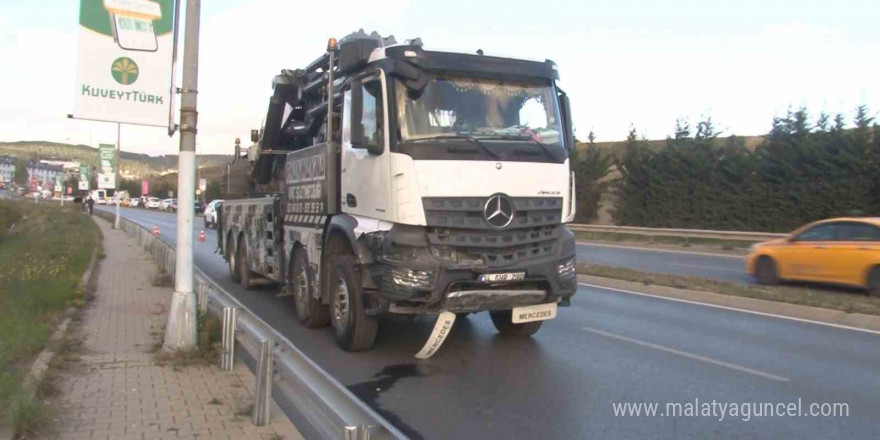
(409, 181)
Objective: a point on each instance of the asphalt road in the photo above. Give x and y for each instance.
(608, 347)
(672, 262)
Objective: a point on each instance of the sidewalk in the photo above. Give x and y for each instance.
(117, 390)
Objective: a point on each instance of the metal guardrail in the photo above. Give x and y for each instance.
(282, 371)
(686, 233)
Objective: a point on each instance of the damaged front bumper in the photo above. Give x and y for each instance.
(412, 277)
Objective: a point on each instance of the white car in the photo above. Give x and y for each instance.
(153, 203)
(135, 202)
(168, 204)
(211, 214)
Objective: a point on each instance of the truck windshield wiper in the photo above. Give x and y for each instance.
(508, 137)
(467, 137)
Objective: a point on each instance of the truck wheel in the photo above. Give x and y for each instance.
(874, 282)
(309, 310)
(232, 258)
(355, 331)
(503, 321)
(765, 271)
(243, 272)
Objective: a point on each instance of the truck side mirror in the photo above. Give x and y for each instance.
(357, 113)
(255, 136)
(566, 119)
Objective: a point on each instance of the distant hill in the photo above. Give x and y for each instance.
(139, 165)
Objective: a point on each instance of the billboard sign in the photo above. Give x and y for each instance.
(106, 166)
(203, 184)
(124, 61)
(84, 177)
(145, 187)
(58, 184)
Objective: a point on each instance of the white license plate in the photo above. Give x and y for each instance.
(538, 312)
(499, 277)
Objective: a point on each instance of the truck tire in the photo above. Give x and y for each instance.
(309, 310)
(232, 258)
(765, 271)
(244, 274)
(355, 331)
(874, 282)
(503, 321)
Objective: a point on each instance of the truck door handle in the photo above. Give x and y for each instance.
(351, 200)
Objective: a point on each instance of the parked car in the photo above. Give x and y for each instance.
(211, 214)
(838, 251)
(153, 203)
(166, 204)
(135, 202)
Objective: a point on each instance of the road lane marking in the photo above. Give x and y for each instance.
(734, 309)
(669, 251)
(706, 267)
(688, 355)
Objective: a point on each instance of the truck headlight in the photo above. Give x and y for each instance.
(412, 278)
(567, 269)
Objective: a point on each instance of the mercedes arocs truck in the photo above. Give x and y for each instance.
(390, 179)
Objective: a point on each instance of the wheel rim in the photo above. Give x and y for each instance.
(341, 305)
(301, 295)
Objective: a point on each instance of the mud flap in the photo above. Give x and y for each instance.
(442, 328)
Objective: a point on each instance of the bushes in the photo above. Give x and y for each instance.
(800, 173)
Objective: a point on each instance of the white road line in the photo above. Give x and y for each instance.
(706, 267)
(688, 355)
(734, 309)
(668, 251)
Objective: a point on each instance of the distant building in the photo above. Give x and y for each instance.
(43, 173)
(7, 168)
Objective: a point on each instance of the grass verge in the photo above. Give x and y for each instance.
(844, 300)
(685, 242)
(43, 259)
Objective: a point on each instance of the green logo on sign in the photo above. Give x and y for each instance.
(125, 71)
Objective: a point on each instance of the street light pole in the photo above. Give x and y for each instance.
(118, 166)
(180, 333)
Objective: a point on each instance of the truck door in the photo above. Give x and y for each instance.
(364, 175)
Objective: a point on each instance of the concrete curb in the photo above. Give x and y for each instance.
(794, 311)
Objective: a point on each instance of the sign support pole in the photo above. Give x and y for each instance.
(180, 333)
(117, 166)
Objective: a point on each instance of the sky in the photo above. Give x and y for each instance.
(623, 63)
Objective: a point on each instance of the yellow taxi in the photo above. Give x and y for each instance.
(838, 251)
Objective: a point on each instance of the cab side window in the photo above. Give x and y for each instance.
(824, 232)
(373, 118)
(857, 232)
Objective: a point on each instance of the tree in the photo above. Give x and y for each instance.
(213, 191)
(591, 171)
(21, 175)
(632, 189)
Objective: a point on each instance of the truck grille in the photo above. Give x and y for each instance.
(458, 224)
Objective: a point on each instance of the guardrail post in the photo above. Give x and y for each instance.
(263, 388)
(227, 356)
(202, 298)
(359, 432)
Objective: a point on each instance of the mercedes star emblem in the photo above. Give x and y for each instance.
(498, 211)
